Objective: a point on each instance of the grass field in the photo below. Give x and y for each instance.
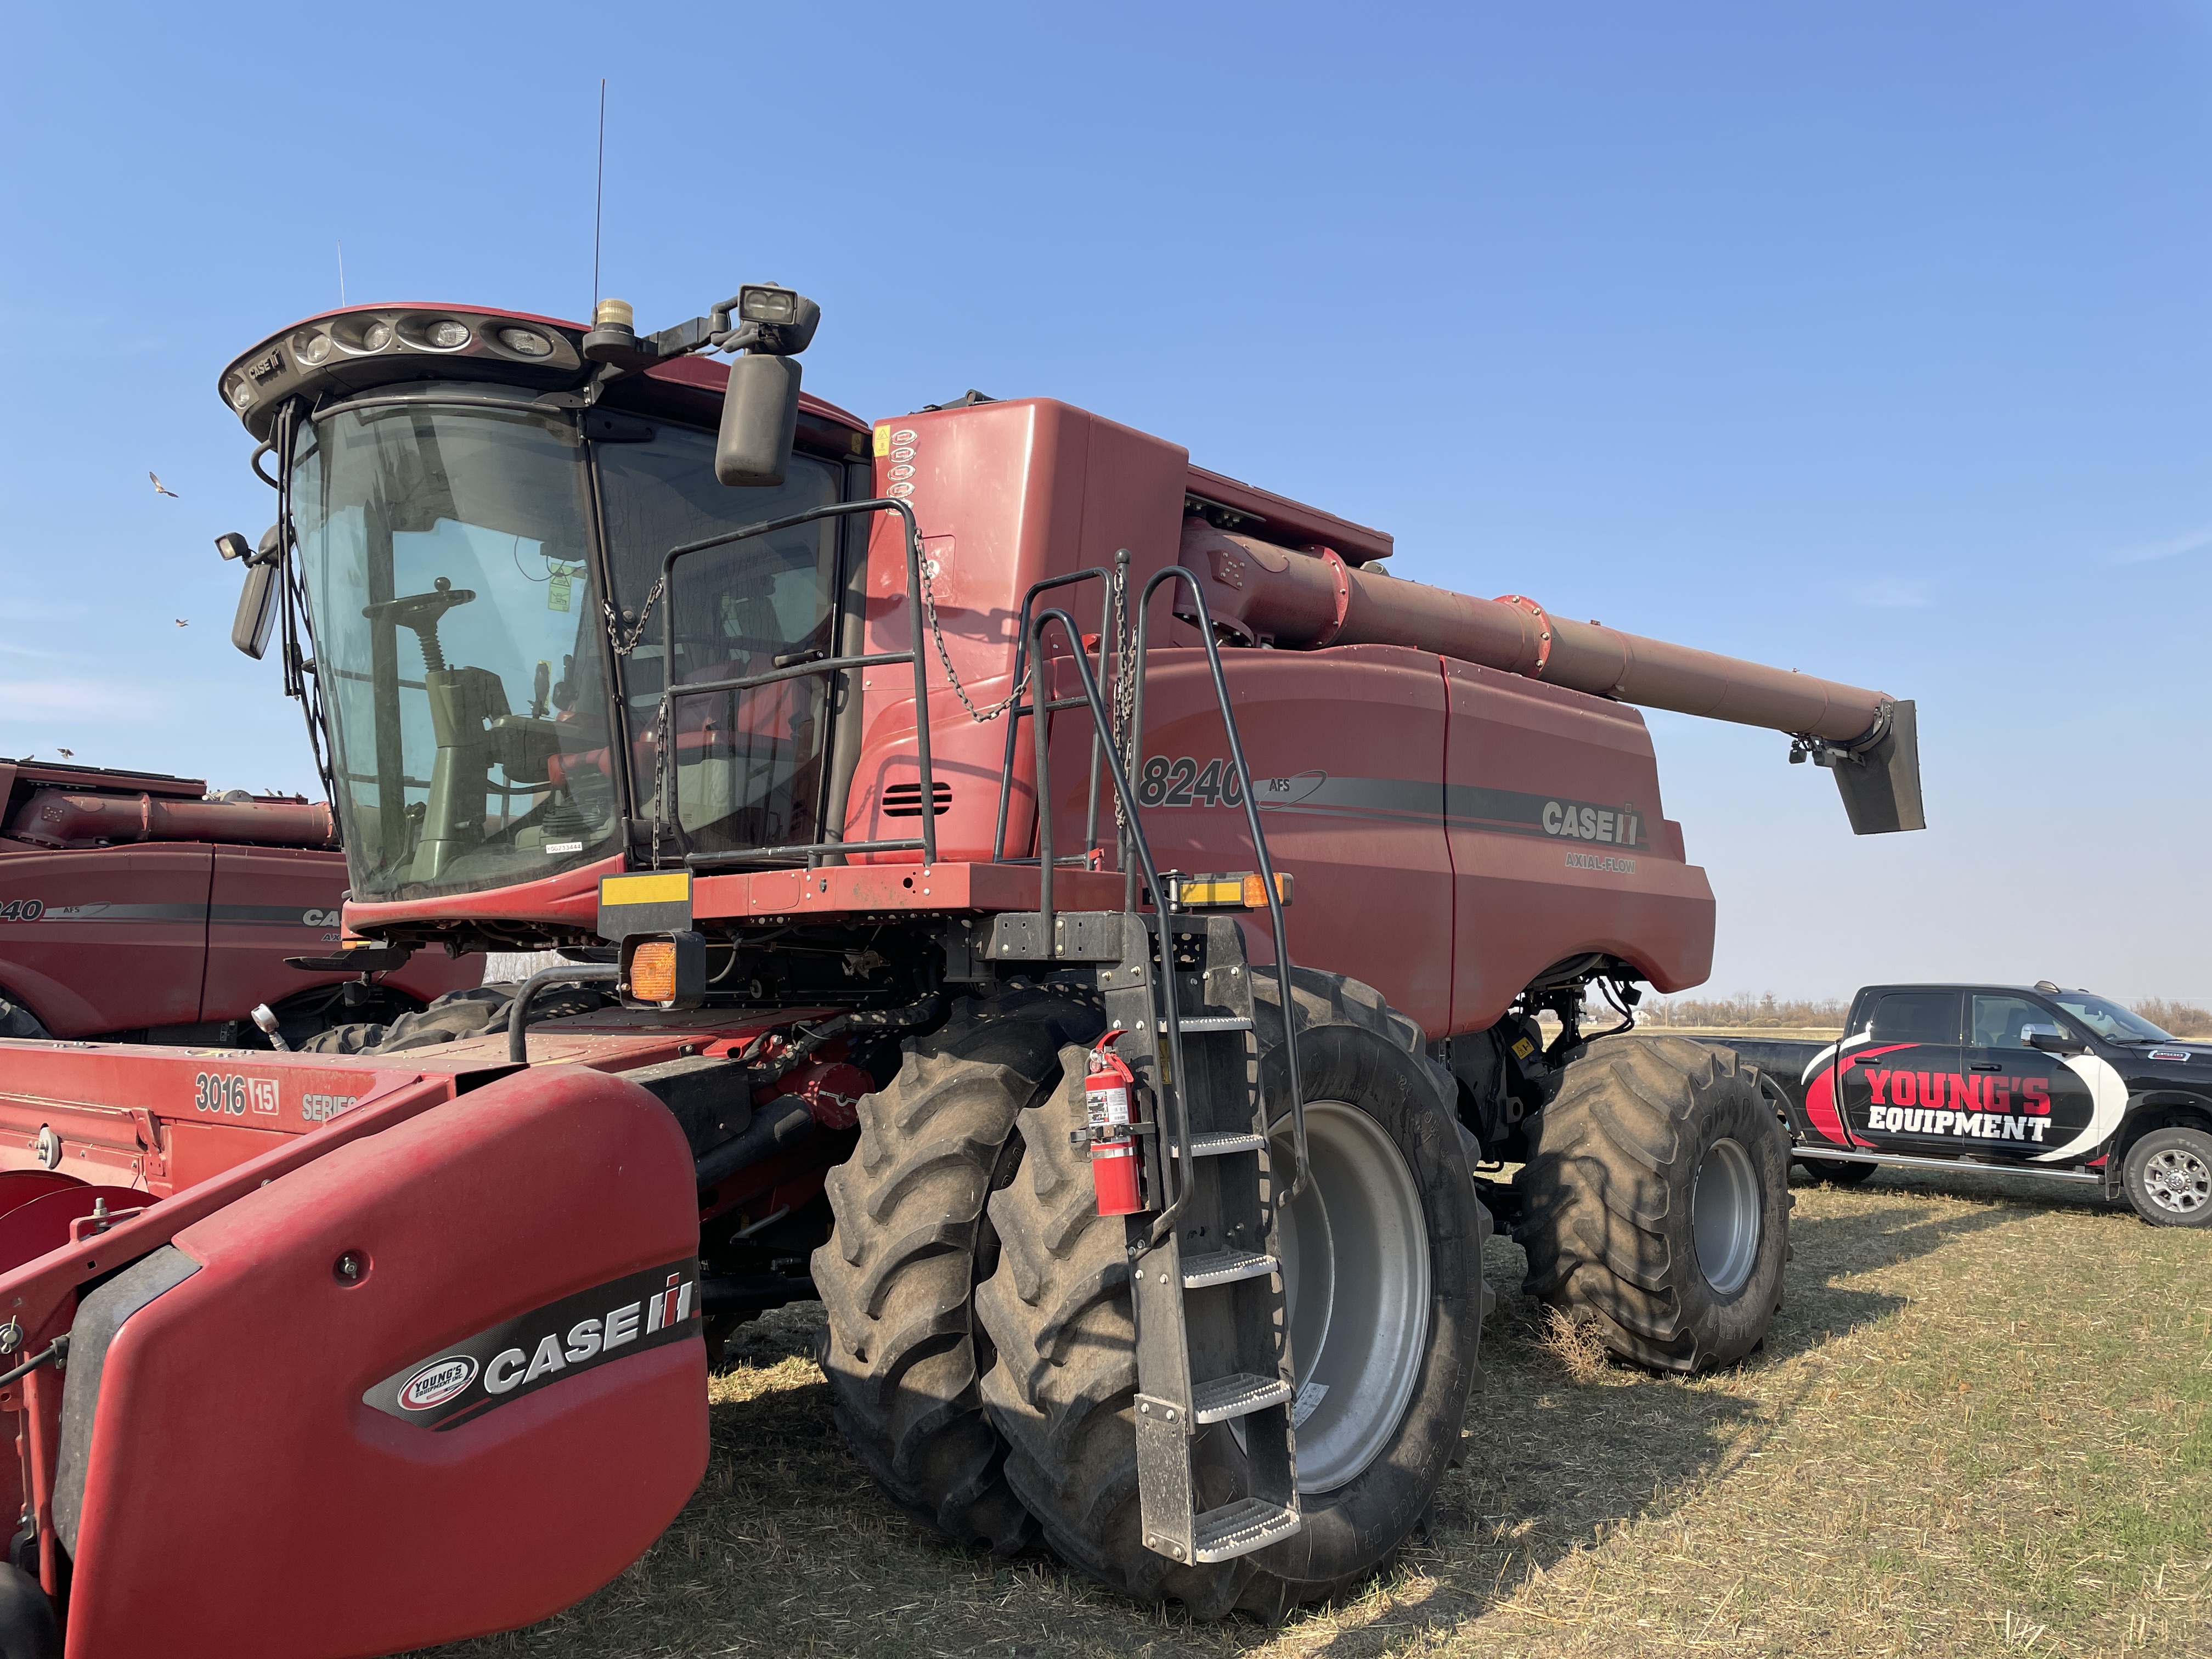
(1981, 1424)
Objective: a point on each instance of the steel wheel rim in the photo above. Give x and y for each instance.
(1726, 1215)
(1355, 1254)
(2179, 1182)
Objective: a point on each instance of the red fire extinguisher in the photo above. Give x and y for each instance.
(1108, 1091)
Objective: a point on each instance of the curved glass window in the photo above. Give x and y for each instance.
(454, 610)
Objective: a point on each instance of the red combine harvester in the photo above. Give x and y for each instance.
(135, 907)
(1130, 1233)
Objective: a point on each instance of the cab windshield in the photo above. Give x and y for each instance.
(2109, 1020)
(485, 729)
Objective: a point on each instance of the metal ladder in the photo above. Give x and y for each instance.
(1216, 1467)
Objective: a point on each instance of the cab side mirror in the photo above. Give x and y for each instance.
(760, 406)
(760, 421)
(257, 611)
(2049, 1039)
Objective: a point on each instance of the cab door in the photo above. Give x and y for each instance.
(2031, 1102)
(1895, 1088)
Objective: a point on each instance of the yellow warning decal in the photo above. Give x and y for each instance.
(883, 439)
(672, 887)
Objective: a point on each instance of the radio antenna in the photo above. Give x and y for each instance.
(599, 195)
(341, 270)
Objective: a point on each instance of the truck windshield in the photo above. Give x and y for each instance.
(2109, 1020)
(459, 637)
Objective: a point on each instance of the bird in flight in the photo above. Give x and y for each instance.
(161, 488)
(180, 622)
(66, 754)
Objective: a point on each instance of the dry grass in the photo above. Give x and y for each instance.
(1981, 1424)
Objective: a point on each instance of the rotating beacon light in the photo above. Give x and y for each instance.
(1108, 1088)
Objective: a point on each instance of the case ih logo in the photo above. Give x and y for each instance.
(610, 1322)
(437, 1383)
(1573, 820)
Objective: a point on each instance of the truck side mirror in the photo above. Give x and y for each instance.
(2049, 1039)
(257, 611)
(760, 421)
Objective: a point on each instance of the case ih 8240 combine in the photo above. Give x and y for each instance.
(1128, 1234)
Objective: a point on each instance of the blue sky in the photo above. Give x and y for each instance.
(1869, 339)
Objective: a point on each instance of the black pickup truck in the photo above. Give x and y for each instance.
(2065, 1085)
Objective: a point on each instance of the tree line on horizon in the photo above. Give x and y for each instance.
(1746, 1011)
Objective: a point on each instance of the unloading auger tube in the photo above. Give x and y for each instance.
(1309, 600)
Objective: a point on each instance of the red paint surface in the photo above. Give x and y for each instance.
(467, 1215)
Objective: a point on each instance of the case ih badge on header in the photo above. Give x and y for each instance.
(847, 766)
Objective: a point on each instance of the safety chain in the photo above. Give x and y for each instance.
(658, 736)
(1125, 681)
(613, 621)
(944, 657)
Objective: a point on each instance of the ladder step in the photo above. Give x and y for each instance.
(1224, 1268)
(1216, 1145)
(1199, 1025)
(1236, 1395)
(1241, 1527)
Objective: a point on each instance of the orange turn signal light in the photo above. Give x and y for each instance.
(665, 970)
(1247, 891)
(653, 970)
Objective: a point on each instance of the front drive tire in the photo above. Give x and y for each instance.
(1385, 1144)
(912, 1240)
(2167, 1177)
(1656, 1205)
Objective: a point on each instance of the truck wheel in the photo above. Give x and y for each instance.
(1657, 1204)
(2168, 1178)
(912, 1241)
(1382, 1265)
(17, 1021)
(1837, 1173)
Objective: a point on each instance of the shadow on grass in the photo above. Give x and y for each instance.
(1555, 1463)
(788, 1544)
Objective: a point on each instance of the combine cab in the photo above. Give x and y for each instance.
(1073, 913)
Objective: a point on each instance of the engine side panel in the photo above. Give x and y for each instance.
(105, 938)
(1559, 845)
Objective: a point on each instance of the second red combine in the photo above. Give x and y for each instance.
(943, 802)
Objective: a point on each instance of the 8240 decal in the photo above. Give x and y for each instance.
(1183, 782)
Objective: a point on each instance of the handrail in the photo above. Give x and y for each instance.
(1134, 841)
(1016, 714)
(1179, 1118)
(1205, 624)
(671, 692)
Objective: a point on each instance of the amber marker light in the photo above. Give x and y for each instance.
(665, 970)
(652, 971)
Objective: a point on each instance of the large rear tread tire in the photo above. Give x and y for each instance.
(1606, 1212)
(1058, 1312)
(913, 1238)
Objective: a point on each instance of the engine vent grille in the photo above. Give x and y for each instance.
(904, 800)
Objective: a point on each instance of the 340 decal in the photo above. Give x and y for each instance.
(22, 909)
